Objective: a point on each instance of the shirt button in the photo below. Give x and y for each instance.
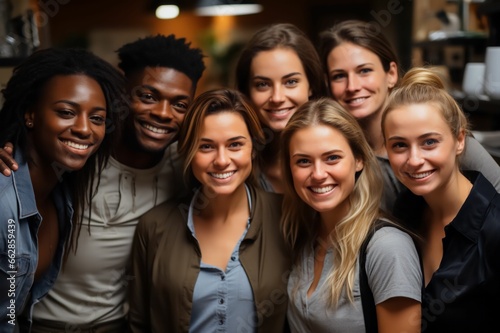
(221, 322)
(221, 301)
(233, 258)
(222, 277)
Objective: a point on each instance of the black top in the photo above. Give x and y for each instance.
(463, 295)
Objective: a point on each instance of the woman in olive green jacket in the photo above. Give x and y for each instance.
(216, 260)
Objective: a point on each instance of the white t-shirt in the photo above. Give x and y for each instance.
(393, 270)
(91, 287)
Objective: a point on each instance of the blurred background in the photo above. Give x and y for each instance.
(438, 32)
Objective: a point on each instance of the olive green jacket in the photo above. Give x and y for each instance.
(166, 263)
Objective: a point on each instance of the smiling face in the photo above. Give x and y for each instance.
(421, 147)
(223, 161)
(278, 86)
(160, 98)
(358, 80)
(67, 124)
(323, 169)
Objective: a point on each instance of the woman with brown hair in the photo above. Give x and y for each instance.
(215, 260)
(362, 68)
(279, 70)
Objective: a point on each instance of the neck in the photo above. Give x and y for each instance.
(372, 129)
(330, 219)
(131, 155)
(43, 180)
(269, 154)
(445, 202)
(222, 207)
(270, 163)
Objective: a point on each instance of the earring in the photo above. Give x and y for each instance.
(29, 124)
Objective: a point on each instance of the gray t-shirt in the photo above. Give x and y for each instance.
(393, 270)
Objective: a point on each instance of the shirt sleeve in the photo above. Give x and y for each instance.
(138, 288)
(392, 266)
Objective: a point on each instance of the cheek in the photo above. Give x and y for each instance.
(298, 177)
(257, 97)
(337, 89)
(396, 160)
(198, 163)
(99, 133)
(302, 95)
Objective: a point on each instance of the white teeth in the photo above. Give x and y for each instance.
(420, 175)
(279, 111)
(357, 100)
(322, 189)
(222, 175)
(155, 129)
(75, 145)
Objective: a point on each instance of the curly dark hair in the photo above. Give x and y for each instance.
(163, 51)
(23, 91)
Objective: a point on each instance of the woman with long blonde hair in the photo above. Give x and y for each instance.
(331, 204)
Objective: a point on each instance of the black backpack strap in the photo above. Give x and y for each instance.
(367, 300)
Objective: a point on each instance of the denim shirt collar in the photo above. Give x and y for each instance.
(24, 188)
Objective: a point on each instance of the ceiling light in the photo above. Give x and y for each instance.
(227, 8)
(167, 10)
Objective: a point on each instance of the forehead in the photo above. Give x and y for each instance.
(278, 60)
(78, 88)
(318, 139)
(349, 53)
(163, 79)
(415, 118)
(224, 122)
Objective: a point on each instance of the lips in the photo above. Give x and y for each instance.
(75, 145)
(420, 175)
(157, 130)
(322, 189)
(222, 175)
(355, 101)
(281, 113)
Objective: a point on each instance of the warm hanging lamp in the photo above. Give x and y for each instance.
(227, 7)
(167, 9)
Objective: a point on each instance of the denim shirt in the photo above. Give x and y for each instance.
(19, 224)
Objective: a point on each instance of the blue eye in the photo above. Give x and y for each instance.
(302, 161)
(430, 142)
(333, 158)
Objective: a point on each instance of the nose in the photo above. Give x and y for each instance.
(162, 111)
(221, 159)
(82, 127)
(318, 172)
(277, 95)
(415, 158)
(353, 83)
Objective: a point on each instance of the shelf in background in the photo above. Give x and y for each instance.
(483, 112)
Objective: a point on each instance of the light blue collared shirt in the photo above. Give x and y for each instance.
(222, 300)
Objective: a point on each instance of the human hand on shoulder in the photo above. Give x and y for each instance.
(7, 162)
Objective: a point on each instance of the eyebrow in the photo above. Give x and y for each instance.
(241, 137)
(357, 67)
(156, 91)
(423, 136)
(76, 105)
(333, 151)
(284, 77)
